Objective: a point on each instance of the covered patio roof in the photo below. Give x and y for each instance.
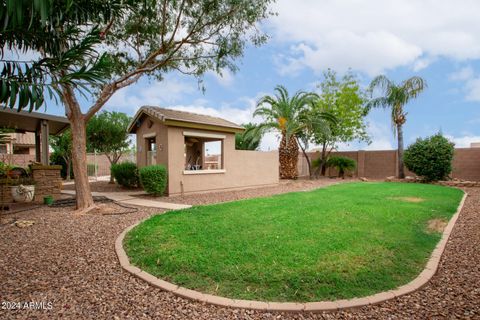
(42, 124)
(30, 121)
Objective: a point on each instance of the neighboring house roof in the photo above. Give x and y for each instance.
(22, 139)
(23, 121)
(184, 119)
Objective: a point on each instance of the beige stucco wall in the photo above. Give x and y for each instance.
(161, 132)
(242, 168)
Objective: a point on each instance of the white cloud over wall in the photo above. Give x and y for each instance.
(375, 35)
(471, 82)
(463, 141)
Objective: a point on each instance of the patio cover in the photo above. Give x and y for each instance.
(42, 124)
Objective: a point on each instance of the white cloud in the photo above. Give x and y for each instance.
(472, 82)
(463, 74)
(161, 93)
(463, 142)
(375, 35)
(381, 136)
(225, 78)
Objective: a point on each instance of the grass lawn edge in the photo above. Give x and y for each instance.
(430, 265)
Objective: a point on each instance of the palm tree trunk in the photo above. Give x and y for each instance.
(401, 172)
(288, 157)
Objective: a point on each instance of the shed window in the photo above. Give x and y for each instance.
(203, 153)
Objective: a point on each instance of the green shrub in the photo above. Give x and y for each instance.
(342, 164)
(56, 158)
(430, 158)
(126, 174)
(154, 179)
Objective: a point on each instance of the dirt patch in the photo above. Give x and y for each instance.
(436, 225)
(408, 199)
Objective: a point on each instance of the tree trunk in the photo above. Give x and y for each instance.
(309, 162)
(288, 157)
(401, 172)
(69, 168)
(112, 162)
(323, 163)
(79, 152)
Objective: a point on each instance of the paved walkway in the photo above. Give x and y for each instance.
(129, 198)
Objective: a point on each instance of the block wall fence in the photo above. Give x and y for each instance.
(384, 163)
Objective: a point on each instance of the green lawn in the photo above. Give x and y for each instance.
(344, 241)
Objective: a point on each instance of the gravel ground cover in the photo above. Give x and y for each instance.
(225, 196)
(70, 262)
(103, 186)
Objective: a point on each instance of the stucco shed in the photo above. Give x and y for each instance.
(199, 151)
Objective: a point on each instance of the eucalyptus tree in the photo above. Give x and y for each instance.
(145, 38)
(395, 97)
(343, 98)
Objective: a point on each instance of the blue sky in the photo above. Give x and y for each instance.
(436, 39)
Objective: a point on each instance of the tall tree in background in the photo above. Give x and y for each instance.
(316, 122)
(283, 113)
(344, 99)
(107, 133)
(249, 139)
(395, 97)
(148, 38)
(62, 147)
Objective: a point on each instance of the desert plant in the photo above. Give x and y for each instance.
(395, 97)
(342, 164)
(430, 158)
(249, 139)
(283, 113)
(126, 174)
(154, 179)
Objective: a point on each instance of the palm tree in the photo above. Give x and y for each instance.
(284, 114)
(396, 96)
(249, 139)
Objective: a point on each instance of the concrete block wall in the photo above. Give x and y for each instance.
(383, 163)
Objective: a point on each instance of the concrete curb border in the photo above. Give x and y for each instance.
(322, 306)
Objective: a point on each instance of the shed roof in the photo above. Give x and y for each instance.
(184, 119)
(23, 121)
